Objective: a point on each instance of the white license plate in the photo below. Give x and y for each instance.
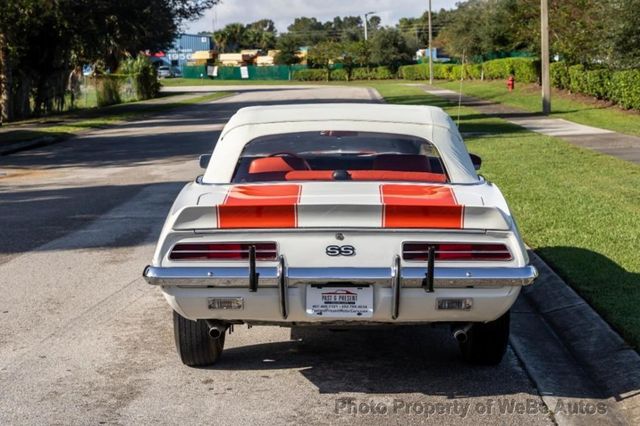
(340, 302)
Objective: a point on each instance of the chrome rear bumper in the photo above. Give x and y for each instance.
(271, 276)
(281, 277)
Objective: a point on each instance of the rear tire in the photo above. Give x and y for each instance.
(195, 347)
(486, 343)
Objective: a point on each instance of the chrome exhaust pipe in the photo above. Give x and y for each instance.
(461, 334)
(216, 329)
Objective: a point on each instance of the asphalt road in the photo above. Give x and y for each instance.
(84, 340)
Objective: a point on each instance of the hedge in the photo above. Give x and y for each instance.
(524, 70)
(620, 87)
(315, 74)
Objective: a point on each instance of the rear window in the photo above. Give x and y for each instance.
(339, 155)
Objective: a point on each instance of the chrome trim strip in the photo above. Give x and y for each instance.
(283, 288)
(396, 283)
(410, 277)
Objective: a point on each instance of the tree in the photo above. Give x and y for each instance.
(310, 31)
(325, 54)
(355, 54)
(220, 39)
(235, 36)
(42, 40)
(261, 34)
(288, 51)
(389, 48)
(626, 34)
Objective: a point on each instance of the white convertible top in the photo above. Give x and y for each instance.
(427, 122)
(370, 112)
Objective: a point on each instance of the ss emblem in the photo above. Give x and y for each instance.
(340, 251)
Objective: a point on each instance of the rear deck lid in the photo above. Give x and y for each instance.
(341, 205)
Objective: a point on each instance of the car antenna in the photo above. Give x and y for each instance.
(460, 90)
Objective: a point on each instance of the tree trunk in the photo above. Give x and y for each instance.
(6, 110)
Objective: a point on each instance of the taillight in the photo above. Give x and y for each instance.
(223, 251)
(456, 251)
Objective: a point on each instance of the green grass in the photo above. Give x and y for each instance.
(563, 105)
(66, 125)
(579, 210)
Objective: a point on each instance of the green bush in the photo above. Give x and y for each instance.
(560, 75)
(473, 71)
(525, 70)
(311, 74)
(598, 83)
(339, 75)
(577, 81)
(108, 90)
(625, 88)
(414, 72)
(382, 73)
(144, 76)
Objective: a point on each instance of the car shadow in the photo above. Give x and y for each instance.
(404, 359)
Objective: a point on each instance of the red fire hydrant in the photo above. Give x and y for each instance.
(511, 83)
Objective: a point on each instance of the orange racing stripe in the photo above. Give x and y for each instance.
(420, 206)
(259, 206)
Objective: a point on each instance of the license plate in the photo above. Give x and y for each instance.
(340, 302)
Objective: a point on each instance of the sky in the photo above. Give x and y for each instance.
(283, 12)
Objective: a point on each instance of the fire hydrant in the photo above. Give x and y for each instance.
(511, 83)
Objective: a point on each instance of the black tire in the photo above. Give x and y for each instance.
(195, 347)
(486, 343)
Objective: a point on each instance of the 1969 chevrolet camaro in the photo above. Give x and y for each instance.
(340, 215)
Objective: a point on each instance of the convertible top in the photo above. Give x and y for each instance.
(426, 122)
(363, 112)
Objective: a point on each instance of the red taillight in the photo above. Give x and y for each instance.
(223, 251)
(456, 251)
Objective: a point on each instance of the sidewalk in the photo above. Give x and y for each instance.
(625, 147)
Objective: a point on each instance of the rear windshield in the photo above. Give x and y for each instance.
(339, 155)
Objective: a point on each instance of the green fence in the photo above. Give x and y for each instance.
(276, 72)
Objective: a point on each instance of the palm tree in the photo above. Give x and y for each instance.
(235, 34)
(220, 38)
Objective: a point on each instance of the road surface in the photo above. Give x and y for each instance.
(84, 340)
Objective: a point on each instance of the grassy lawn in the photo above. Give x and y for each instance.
(66, 125)
(578, 209)
(563, 105)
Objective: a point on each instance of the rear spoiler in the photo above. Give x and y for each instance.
(370, 216)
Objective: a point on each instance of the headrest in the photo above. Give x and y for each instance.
(270, 165)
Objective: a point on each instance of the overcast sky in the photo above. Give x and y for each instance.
(283, 12)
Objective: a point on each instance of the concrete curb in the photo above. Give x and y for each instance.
(31, 144)
(558, 331)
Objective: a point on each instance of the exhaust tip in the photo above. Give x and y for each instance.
(216, 329)
(214, 333)
(460, 336)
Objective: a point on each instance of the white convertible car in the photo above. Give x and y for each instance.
(340, 215)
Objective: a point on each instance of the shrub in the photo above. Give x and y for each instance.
(598, 83)
(144, 76)
(414, 72)
(338, 75)
(560, 75)
(310, 74)
(525, 70)
(108, 90)
(625, 88)
(576, 79)
(382, 73)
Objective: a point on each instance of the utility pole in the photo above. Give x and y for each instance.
(544, 46)
(430, 47)
(366, 22)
